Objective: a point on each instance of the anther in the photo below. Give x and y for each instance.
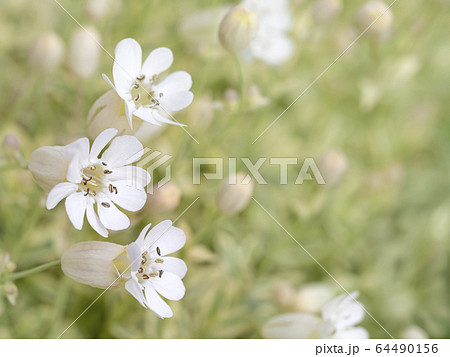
(92, 168)
(136, 85)
(137, 98)
(141, 77)
(159, 260)
(106, 204)
(104, 163)
(140, 270)
(144, 260)
(87, 192)
(158, 251)
(107, 172)
(161, 273)
(153, 275)
(145, 276)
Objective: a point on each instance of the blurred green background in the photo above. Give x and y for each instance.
(383, 228)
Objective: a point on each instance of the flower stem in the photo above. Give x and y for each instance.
(39, 268)
(241, 78)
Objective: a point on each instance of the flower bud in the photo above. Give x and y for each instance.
(48, 166)
(371, 11)
(11, 292)
(11, 145)
(238, 28)
(98, 9)
(283, 294)
(47, 51)
(84, 52)
(234, 195)
(312, 297)
(98, 264)
(164, 199)
(332, 165)
(323, 11)
(414, 332)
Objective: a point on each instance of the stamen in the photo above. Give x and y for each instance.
(144, 260)
(140, 270)
(137, 98)
(106, 204)
(141, 77)
(92, 168)
(136, 85)
(158, 251)
(159, 260)
(87, 192)
(107, 172)
(153, 275)
(161, 273)
(145, 276)
(104, 163)
(113, 188)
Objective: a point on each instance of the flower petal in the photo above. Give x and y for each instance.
(179, 81)
(174, 265)
(157, 61)
(134, 254)
(140, 239)
(59, 192)
(156, 233)
(123, 150)
(176, 101)
(167, 238)
(161, 118)
(169, 285)
(128, 196)
(294, 325)
(155, 303)
(94, 220)
(79, 147)
(146, 114)
(76, 205)
(107, 80)
(127, 65)
(101, 141)
(135, 289)
(130, 109)
(343, 311)
(74, 170)
(134, 176)
(109, 214)
(356, 332)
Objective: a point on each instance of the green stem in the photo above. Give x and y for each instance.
(241, 79)
(39, 268)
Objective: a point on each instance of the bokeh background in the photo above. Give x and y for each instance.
(377, 122)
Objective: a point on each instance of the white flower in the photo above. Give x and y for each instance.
(272, 43)
(339, 319)
(152, 272)
(139, 86)
(102, 181)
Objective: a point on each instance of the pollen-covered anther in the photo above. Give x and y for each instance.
(106, 204)
(159, 260)
(153, 275)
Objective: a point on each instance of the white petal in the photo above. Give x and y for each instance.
(134, 254)
(344, 311)
(135, 176)
(157, 61)
(179, 81)
(74, 170)
(174, 265)
(146, 114)
(140, 239)
(356, 332)
(156, 233)
(79, 147)
(110, 216)
(168, 240)
(76, 205)
(101, 141)
(128, 197)
(161, 118)
(106, 78)
(295, 325)
(94, 220)
(123, 150)
(127, 65)
(176, 101)
(156, 304)
(130, 109)
(169, 285)
(59, 192)
(134, 289)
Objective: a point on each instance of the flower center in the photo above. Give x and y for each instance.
(94, 180)
(144, 95)
(150, 267)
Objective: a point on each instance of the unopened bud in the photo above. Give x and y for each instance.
(84, 52)
(234, 196)
(164, 199)
(414, 332)
(48, 166)
(11, 292)
(312, 297)
(332, 165)
(11, 142)
(47, 51)
(283, 294)
(323, 11)
(97, 264)
(238, 28)
(376, 17)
